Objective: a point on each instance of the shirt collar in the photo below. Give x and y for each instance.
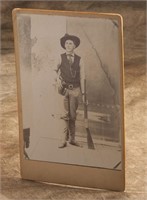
(72, 54)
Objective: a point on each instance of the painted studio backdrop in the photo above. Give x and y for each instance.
(39, 46)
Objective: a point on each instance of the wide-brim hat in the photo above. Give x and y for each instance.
(74, 38)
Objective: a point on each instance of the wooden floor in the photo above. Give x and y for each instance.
(106, 153)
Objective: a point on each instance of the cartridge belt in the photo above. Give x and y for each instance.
(72, 86)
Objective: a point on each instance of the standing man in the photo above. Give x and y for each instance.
(71, 75)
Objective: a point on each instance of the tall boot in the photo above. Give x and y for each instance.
(64, 135)
(72, 129)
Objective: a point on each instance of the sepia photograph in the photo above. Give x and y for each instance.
(71, 89)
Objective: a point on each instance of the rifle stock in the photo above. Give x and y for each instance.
(89, 138)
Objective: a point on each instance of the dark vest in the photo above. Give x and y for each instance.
(70, 74)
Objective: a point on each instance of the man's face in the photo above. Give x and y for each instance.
(69, 46)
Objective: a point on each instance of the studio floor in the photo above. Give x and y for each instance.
(13, 187)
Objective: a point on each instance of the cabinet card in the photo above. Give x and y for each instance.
(70, 97)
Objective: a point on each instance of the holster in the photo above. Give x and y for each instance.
(62, 87)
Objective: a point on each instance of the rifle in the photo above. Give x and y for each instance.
(89, 138)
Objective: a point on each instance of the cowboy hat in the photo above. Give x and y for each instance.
(75, 39)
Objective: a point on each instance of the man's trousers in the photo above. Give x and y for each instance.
(71, 101)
